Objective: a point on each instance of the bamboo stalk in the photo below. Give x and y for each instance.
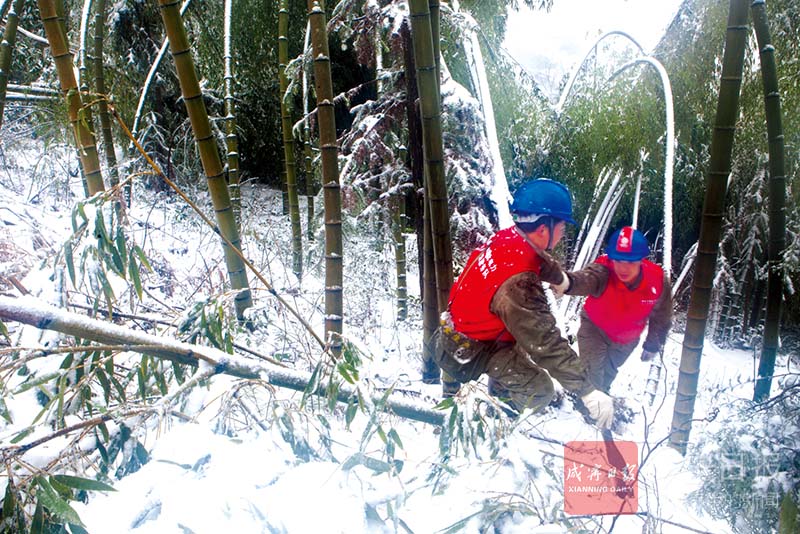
(330, 177)
(209, 156)
(231, 138)
(777, 201)
(711, 223)
(100, 87)
(34, 312)
(425, 34)
(84, 138)
(288, 141)
(307, 152)
(398, 216)
(151, 74)
(21, 97)
(7, 47)
(33, 90)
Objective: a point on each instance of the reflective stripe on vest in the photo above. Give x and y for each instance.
(621, 312)
(506, 254)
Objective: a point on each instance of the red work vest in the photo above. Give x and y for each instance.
(621, 312)
(506, 254)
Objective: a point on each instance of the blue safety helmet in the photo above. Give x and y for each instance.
(627, 244)
(542, 197)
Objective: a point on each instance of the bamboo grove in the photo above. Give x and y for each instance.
(406, 174)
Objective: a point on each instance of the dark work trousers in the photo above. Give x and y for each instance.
(523, 382)
(602, 356)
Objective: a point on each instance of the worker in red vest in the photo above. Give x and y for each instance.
(499, 321)
(626, 293)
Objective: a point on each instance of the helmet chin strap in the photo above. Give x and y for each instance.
(551, 225)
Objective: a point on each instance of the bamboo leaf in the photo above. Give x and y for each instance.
(178, 372)
(133, 271)
(116, 262)
(37, 523)
(350, 413)
(10, 514)
(79, 211)
(4, 413)
(395, 437)
(34, 382)
(70, 261)
(47, 406)
(103, 430)
(313, 384)
(4, 332)
(140, 253)
(449, 402)
(359, 458)
(62, 386)
(104, 383)
(61, 489)
(19, 437)
(118, 387)
(101, 233)
(107, 290)
(122, 248)
(142, 384)
(161, 382)
(343, 370)
(54, 503)
(82, 483)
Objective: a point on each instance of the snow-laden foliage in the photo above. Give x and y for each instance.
(375, 166)
(749, 461)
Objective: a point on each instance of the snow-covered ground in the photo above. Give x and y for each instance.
(235, 455)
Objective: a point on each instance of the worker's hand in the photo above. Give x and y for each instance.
(561, 287)
(648, 356)
(550, 272)
(601, 408)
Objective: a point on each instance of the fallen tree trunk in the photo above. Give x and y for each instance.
(34, 312)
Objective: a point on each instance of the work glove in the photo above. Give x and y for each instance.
(550, 272)
(648, 356)
(601, 408)
(561, 287)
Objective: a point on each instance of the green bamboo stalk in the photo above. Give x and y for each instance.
(432, 146)
(398, 223)
(777, 201)
(84, 138)
(43, 316)
(209, 156)
(309, 171)
(431, 374)
(435, 186)
(83, 52)
(7, 48)
(29, 98)
(415, 197)
(711, 223)
(307, 152)
(33, 90)
(288, 141)
(231, 138)
(329, 153)
(100, 86)
(435, 11)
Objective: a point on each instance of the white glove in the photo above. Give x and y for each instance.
(600, 407)
(648, 356)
